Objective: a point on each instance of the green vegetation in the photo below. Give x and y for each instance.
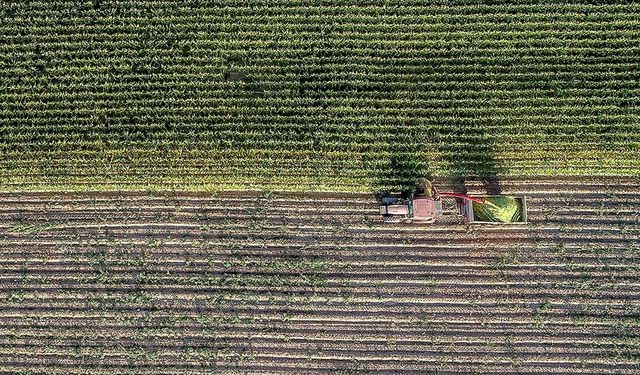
(342, 95)
(498, 209)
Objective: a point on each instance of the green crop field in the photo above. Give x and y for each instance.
(313, 95)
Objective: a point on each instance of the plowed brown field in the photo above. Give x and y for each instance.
(244, 282)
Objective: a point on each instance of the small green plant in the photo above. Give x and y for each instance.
(24, 227)
(540, 315)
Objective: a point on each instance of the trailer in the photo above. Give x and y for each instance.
(476, 213)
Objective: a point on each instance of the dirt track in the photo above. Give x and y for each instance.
(260, 283)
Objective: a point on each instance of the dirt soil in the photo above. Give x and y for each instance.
(259, 283)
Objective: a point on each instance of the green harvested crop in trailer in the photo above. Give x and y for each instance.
(499, 210)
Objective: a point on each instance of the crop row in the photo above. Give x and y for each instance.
(304, 158)
(76, 70)
(267, 52)
(72, 39)
(459, 9)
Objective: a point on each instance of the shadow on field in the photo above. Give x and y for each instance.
(467, 152)
(403, 164)
(469, 156)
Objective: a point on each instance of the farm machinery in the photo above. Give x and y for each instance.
(424, 206)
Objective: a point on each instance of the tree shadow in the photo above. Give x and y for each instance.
(403, 164)
(468, 153)
(469, 156)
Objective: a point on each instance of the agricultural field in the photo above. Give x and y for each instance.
(302, 283)
(313, 95)
(190, 187)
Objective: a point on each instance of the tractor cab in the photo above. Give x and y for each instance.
(421, 207)
(418, 210)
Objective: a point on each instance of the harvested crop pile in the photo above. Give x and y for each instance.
(498, 209)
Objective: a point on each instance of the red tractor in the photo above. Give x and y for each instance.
(425, 206)
(422, 207)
